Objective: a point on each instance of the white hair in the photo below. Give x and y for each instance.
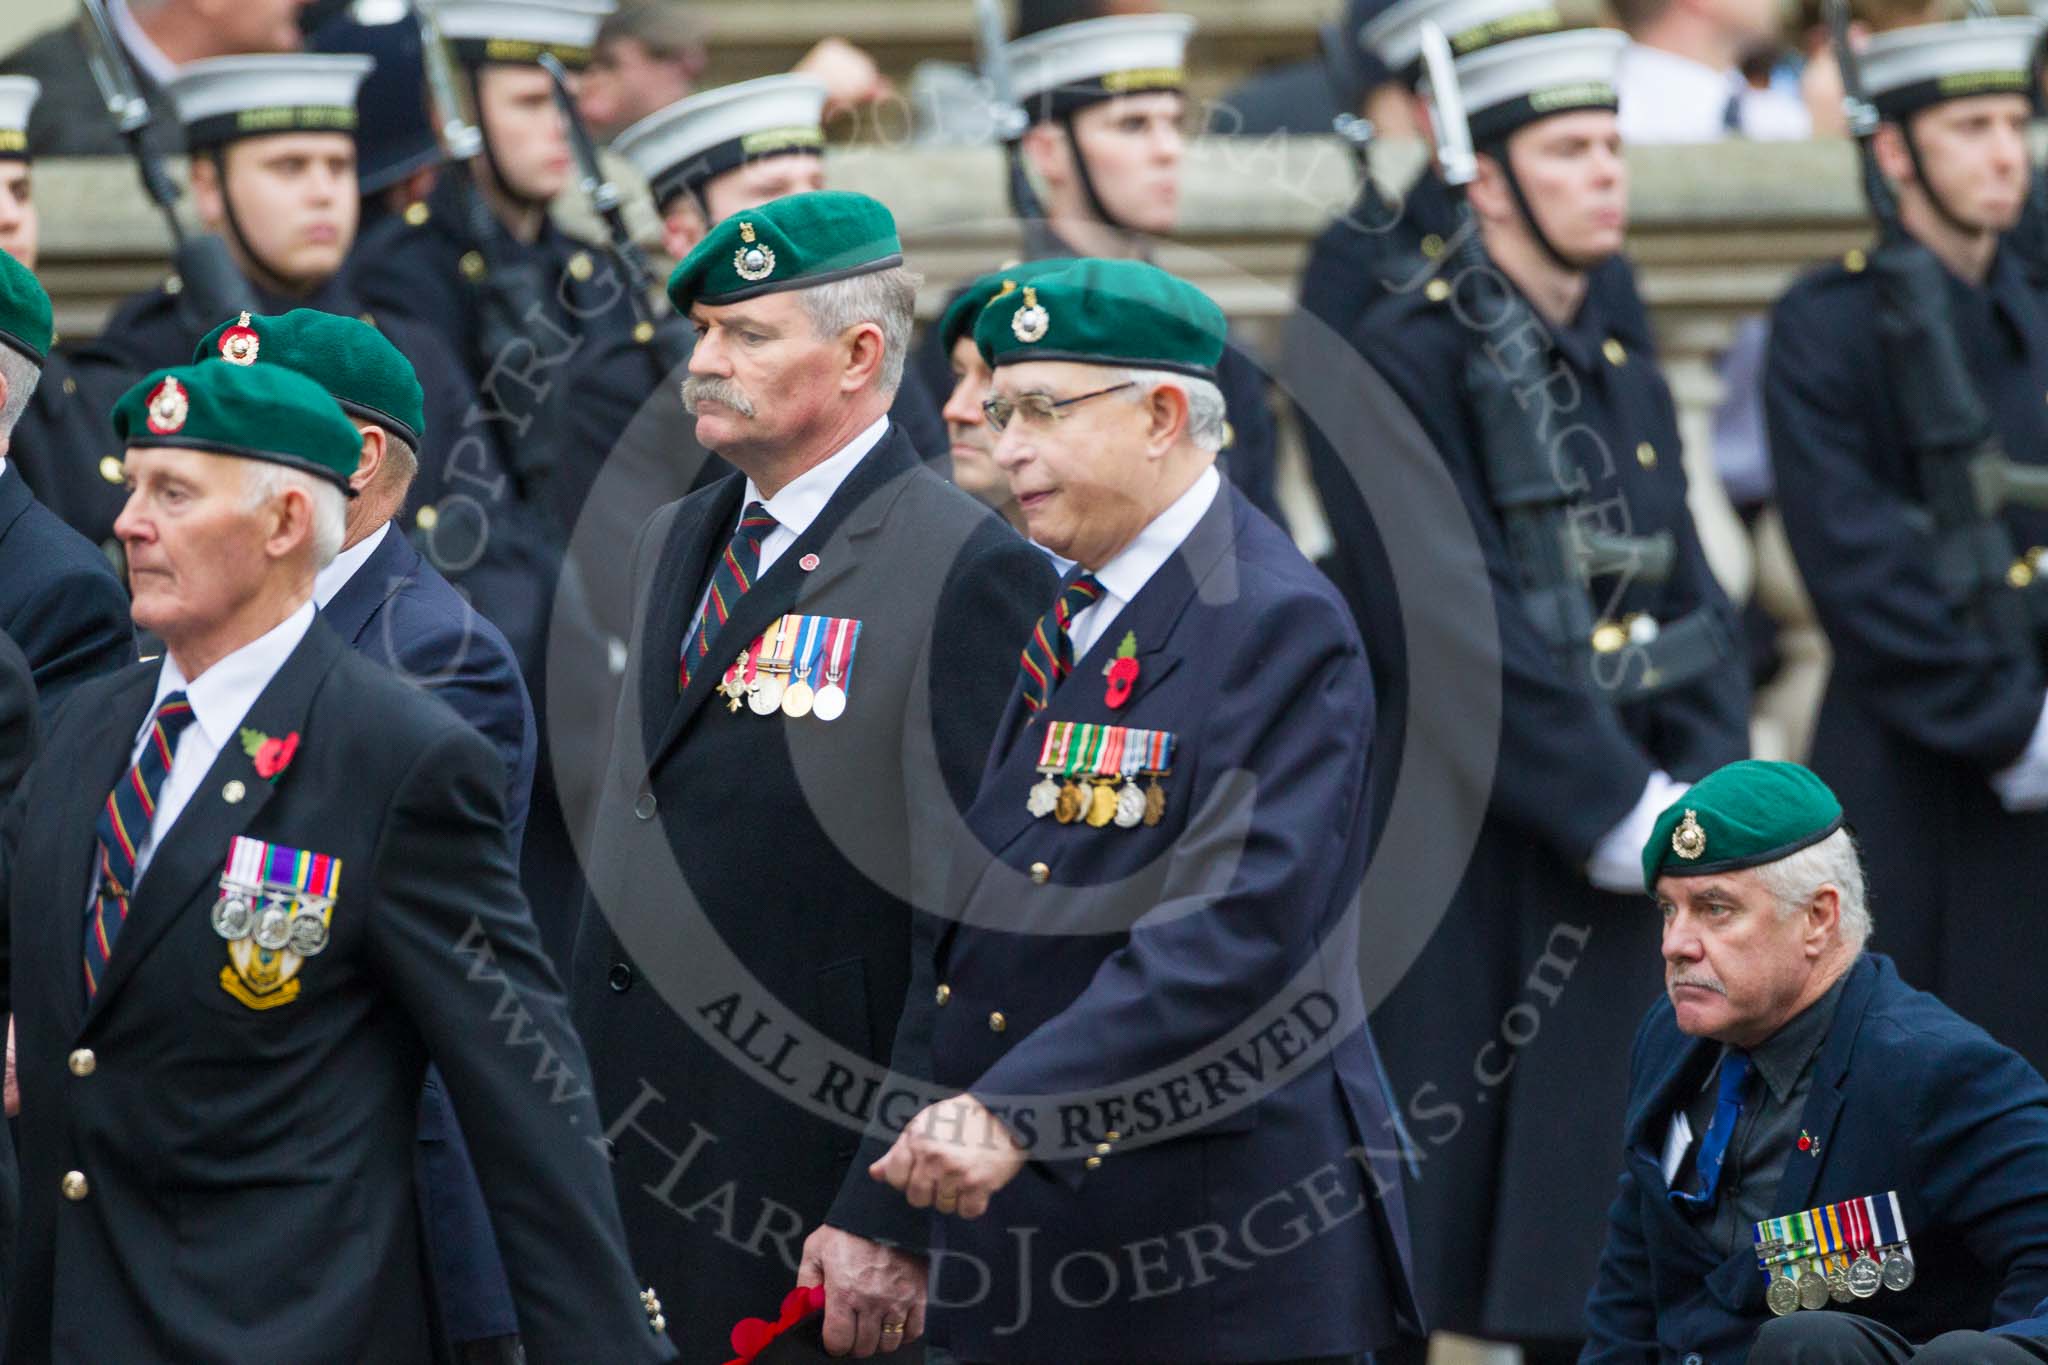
(887, 298)
(1208, 415)
(1834, 861)
(22, 376)
(263, 480)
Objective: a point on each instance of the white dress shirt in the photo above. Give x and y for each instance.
(800, 501)
(1135, 564)
(1666, 98)
(220, 697)
(336, 575)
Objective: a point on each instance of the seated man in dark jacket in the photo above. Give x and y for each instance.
(1807, 1136)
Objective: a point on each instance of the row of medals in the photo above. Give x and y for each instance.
(1839, 1279)
(768, 693)
(1105, 803)
(301, 926)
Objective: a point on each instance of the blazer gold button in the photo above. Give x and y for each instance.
(1112, 1136)
(645, 806)
(234, 791)
(1102, 1149)
(996, 1022)
(82, 1062)
(1040, 874)
(1646, 455)
(1092, 1162)
(74, 1186)
(943, 993)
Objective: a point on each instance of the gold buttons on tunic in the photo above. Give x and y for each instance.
(1616, 353)
(472, 265)
(427, 518)
(111, 469)
(1854, 260)
(82, 1062)
(1092, 1162)
(1432, 246)
(416, 214)
(580, 267)
(74, 1186)
(943, 993)
(1436, 291)
(1609, 636)
(996, 1022)
(1646, 455)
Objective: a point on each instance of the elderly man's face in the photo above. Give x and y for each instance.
(196, 554)
(761, 376)
(1734, 966)
(1081, 475)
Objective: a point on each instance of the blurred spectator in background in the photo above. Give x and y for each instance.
(1681, 78)
(650, 53)
(1345, 77)
(156, 37)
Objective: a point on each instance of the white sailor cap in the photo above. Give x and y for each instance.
(17, 98)
(1515, 83)
(1908, 69)
(684, 146)
(519, 31)
(221, 99)
(1062, 69)
(1395, 34)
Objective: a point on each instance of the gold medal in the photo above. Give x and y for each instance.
(796, 700)
(1070, 805)
(1155, 803)
(733, 686)
(1101, 805)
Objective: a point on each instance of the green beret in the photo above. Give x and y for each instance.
(353, 361)
(1743, 815)
(968, 303)
(790, 243)
(24, 310)
(1102, 312)
(259, 412)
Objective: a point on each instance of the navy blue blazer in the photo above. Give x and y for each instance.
(59, 598)
(1074, 958)
(398, 610)
(1906, 1096)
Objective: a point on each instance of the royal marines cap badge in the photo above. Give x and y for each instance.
(168, 407)
(1031, 322)
(754, 261)
(1689, 841)
(275, 909)
(239, 343)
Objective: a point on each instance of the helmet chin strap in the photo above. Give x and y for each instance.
(1934, 199)
(483, 128)
(268, 277)
(1088, 191)
(1499, 152)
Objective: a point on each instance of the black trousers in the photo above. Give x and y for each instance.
(1845, 1339)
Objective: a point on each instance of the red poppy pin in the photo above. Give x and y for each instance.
(1122, 672)
(750, 1336)
(271, 756)
(1808, 1143)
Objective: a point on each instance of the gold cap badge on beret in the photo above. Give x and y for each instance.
(239, 343)
(756, 260)
(167, 408)
(1031, 321)
(1689, 841)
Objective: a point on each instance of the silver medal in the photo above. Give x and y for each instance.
(273, 928)
(1864, 1276)
(232, 917)
(308, 933)
(830, 703)
(765, 695)
(1130, 806)
(1044, 796)
(1898, 1272)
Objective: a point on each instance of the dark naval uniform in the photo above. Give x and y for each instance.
(425, 266)
(64, 445)
(1921, 707)
(1502, 1238)
(798, 844)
